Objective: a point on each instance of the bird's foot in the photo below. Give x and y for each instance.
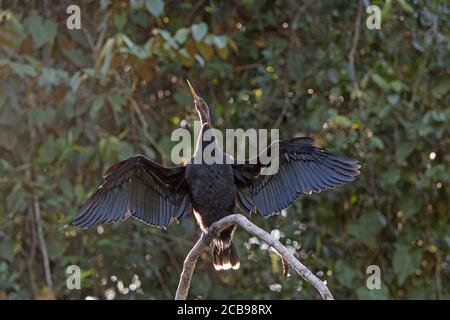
(212, 233)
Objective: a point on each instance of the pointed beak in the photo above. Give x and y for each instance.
(194, 94)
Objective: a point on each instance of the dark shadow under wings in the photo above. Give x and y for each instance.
(303, 168)
(140, 188)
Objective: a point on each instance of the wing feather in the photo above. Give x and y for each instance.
(303, 168)
(138, 187)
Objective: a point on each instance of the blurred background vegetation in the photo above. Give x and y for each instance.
(72, 102)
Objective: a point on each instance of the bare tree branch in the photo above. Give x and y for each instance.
(146, 132)
(43, 244)
(354, 48)
(237, 219)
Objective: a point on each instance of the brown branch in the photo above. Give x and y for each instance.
(356, 35)
(237, 219)
(42, 244)
(247, 66)
(192, 14)
(354, 48)
(96, 46)
(30, 240)
(285, 264)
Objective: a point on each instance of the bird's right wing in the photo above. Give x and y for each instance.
(303, 168)
(140, 188)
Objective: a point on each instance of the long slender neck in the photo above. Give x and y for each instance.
(202, 141)
(204, 117)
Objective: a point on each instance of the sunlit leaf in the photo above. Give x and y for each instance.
(181, 35)
(155, 7)
(199, 31)
(220, 41)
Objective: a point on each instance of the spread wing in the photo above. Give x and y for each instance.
(303, 168)
(140, 188)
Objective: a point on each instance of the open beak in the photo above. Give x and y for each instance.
(194, 94)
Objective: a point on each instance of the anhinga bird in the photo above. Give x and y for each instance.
(156, 195)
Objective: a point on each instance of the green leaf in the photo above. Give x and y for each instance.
(140, 18)
(443, 86)
(57, 247)
(425, 130)
(367, 227)
(333, 76)
(405, 263)
(365, 293)
(397, 86)
(220, 41)
(117, 100)
(209, 39)
(181, 35)
(406, 6)
(41, 115)
(410, 205)
(390, 177)
(403, 151)
(380, 81)
(155, 7)
(184, 53)
(96, 105)
(41, 30)
(120, 19)
(200, 60)
(106, 54)
(342, 121)
(2, 99)
(377, 143)
(50, 76)
(126, 150)
(76, 56)
(199, 31)
(345, 274)
(8, 138)
(6, 250)
(393, 99)
(47, 151)
(438, 115)
(23, 69)
(168, 38)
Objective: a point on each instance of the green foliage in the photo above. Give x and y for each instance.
(74, 102)
(155, 7)
(406, 263)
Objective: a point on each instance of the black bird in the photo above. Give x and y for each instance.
(156, 195)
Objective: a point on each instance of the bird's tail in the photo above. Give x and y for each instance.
(225, 256)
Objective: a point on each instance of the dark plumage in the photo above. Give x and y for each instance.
(156, 195)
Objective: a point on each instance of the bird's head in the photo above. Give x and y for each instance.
(200, 105)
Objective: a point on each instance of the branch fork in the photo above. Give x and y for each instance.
(238, 219)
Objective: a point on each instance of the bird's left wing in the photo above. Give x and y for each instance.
(140, 188)
(303, 168)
